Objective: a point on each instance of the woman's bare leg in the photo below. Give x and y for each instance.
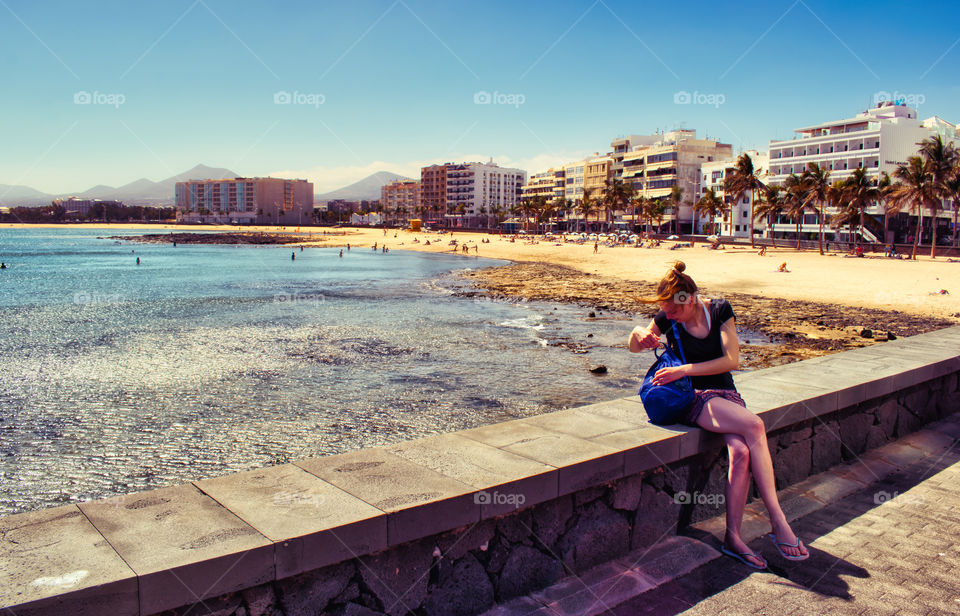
(738, 483)
(721, 415)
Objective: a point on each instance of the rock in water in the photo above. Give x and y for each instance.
(601, 369)
(866, 333)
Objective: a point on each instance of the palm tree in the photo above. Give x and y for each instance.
(837, 199)
(913, 190)
(953, 192)
(675, 199)
(656, 210)
(769, 205)
(862, 193)
(795, 200)
(710, 205)
(587, 205)
(617, 194)
(817, 180)
(942, 158)
(639, 203)
(744, 180)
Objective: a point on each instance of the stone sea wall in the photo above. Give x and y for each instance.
(470, 569)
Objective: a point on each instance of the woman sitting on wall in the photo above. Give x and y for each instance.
(708, 334)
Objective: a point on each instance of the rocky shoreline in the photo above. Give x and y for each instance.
(790, 330)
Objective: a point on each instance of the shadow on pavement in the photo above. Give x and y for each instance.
(823, 573)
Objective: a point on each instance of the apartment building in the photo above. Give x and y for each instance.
(78, 208)
(433, 190)
(673, 160)
(877, 140)
(550, 184)
(262, 201)
(736, 221)
(400, 199)
(475, 191)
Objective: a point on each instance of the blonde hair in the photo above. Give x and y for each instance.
(674, 284)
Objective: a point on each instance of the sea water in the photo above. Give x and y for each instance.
(209, 359)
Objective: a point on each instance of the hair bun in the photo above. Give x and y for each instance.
(679, 266)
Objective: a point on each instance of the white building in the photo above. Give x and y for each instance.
(474, 191)
(736, 223)
(877, 140)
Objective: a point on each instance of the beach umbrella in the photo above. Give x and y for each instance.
(673, 237)
(712, 238)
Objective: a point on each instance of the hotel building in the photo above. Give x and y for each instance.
(400, 199)
(475, 191)
(878, 140)
(736, 221)
(673, 160)
(549, 184)
(433, 190)
(261, 201)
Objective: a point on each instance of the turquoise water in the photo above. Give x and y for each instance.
(208, 359)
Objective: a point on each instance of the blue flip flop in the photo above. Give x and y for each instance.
(742, 557)
(778, 543)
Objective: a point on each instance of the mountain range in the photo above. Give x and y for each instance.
(148, 192)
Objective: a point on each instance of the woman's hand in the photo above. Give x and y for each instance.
(642, 338)
(669, 375)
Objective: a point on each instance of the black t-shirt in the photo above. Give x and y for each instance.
(696, 350)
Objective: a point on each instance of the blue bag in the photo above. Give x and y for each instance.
(665, 404)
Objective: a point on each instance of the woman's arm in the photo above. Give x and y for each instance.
(730, 360)
(644, 338)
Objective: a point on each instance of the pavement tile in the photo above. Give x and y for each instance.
(183, 545)
(54, 561)
(312, 522)
(418, 501)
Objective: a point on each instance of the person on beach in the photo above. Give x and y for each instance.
(708, 334)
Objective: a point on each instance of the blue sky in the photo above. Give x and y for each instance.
(391, 85)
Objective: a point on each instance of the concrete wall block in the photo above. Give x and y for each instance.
(709, 501)
(655, 519)
(310, 592)
(398, 577)
(526, 570)
(626, 493)
(551, 519)
(599, 535)
(462, 589)
(854, 430)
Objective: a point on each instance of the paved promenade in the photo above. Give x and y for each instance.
(883, 532)
(890, 548)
